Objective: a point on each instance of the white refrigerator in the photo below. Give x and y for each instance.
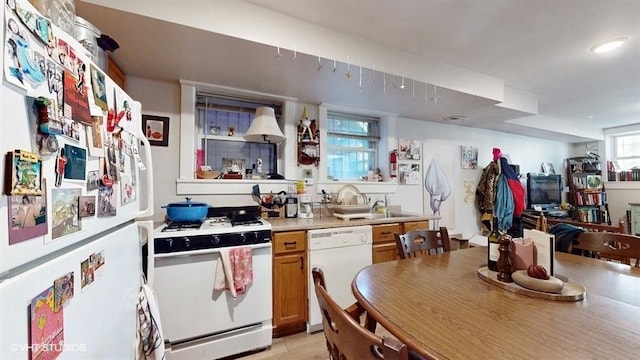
(70, 244)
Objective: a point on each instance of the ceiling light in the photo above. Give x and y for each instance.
(609, 45)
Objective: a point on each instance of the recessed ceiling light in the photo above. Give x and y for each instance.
(609, 45)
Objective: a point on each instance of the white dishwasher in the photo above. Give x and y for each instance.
(340, 253)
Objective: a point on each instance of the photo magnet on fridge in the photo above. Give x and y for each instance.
(24, 173)
(76, 166)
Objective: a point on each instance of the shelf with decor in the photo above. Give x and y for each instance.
(586, 190)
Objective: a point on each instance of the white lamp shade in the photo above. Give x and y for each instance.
(264, 127)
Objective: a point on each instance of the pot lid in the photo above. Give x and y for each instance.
(188, 203)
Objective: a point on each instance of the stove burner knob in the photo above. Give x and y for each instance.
(170, 243)
(187, 242)
(243, 237)
(215, 240)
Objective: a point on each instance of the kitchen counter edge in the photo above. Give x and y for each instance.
(293, 224)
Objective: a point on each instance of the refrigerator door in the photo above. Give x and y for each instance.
(19, 133)
(98, 321)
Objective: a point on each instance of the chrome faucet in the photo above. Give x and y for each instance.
(374, 207)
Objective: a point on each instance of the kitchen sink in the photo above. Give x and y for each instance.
(389, 215)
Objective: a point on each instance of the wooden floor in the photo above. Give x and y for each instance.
(297, 347)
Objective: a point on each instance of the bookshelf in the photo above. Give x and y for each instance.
(586, 190)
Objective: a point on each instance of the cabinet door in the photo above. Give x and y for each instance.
(416, 225)
(116, 74)
(384, 232)
(384, 252)
(289, 291)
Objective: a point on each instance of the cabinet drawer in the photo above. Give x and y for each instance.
(416, 225)
(384, 232)
(287, 242)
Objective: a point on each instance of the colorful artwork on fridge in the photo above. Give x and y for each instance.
(46, 335)
(107, 201)
(76, 166)
(27, 216)
(64, 210)
(25, 171)
(87, 206)
(63, 290)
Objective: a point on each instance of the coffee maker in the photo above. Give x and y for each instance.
(305, 206)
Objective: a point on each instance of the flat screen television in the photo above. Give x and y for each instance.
(544, 191)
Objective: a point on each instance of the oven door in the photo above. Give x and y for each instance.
(190, 308)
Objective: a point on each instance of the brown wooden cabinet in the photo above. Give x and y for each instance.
(116, 74)
(289, 282)
(384, 242)
(415, 225)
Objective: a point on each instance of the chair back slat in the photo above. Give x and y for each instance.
(609, 246)
(422, 242)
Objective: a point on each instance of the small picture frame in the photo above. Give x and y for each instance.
(156, 129)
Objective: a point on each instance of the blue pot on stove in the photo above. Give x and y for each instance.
(187, 211)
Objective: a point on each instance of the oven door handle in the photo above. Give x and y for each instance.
(209, 251)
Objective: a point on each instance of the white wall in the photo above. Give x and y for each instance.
(527, 152)
(163, 99)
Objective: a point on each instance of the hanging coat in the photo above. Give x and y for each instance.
(504, 204)
(485, 193)
(515, 185)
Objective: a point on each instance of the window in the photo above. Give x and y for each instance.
(221, 123)
(626, 151)
(352, 145)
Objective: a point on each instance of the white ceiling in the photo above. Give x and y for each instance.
(535, 53)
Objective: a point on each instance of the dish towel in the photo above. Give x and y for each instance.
(149, 334)
(234, 271)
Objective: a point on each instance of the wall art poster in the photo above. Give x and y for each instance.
(46, 335)
(27, 216)
(64, 208)
(409, 149)
(469, 157)
(409, 174)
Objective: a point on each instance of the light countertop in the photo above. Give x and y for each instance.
(329, 221)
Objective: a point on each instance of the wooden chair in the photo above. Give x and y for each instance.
(346, 338)
(621, 247)
(422, 242)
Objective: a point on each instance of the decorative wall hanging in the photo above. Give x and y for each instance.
(308, 141)
(469, 157)
(156, 129)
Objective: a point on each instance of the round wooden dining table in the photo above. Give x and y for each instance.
(442, 309)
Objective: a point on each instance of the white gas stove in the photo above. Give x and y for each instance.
(198, 321)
